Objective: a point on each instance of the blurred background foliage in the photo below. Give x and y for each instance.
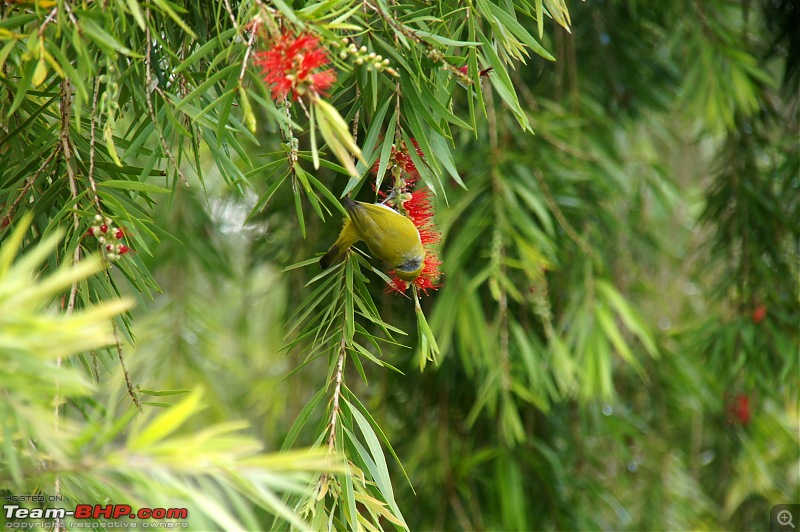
(617, 326)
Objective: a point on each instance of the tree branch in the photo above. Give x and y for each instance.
(65, 109)
(337, 392)
(128, 382)
(91, 148)
(149, 88)
(250, 42)
(29, 183)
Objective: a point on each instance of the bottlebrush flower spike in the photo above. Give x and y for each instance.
(419, 209)
(288, 66)
(739, 410)
(482, 73)
(402, 159)
(759, 313)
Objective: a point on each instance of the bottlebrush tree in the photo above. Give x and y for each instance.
(603, 334)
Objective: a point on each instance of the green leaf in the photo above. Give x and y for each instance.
(133, 185)
(302, 419)
(629, 317)
(502, 83)
(337, 135)
(383, 481)
(169, 8)
(136, 12)
(166, 423)
(104, 39)
(443, 154)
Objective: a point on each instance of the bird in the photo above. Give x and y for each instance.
(390, 236)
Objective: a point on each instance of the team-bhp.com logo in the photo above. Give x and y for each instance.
(97, 511)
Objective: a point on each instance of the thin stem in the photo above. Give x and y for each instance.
(149, 88)
(338, 378)
(560, 215)
(432, 53)
(250, 42)
(50, 17)
(96, 367)
(65, 109)
(337, 392)
(355, 119)
(409, 34)
(498, 247)
(230, 14)
(128, 382)
(29, 183)
(71, 16)
(93, 119)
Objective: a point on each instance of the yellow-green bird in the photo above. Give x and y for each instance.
(389, 235)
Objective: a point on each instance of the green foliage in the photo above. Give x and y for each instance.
(102, 454)
(614, 342)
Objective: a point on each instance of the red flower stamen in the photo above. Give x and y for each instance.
(759, 313)
(482, 73)
(288, 65)
(402, 159)
(419, 209)
(738, 409)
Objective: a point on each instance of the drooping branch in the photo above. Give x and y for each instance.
(28, 184)
(128, 382)
(338, 377)
(149, 89)
(92, 121)
(66, 150)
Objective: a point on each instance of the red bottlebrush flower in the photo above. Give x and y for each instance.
(739, 409)
(759, 313)
(287, 67)
(419, 209)
(402, 159)
(482, 73)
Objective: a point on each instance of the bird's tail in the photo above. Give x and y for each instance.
(347, 237)
(332, 256)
